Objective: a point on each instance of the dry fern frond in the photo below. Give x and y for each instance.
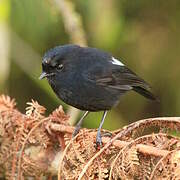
(35, 110)
(7, 102)
(168, 167)
(59, 115)
(33, 145)
(77, 154)
(120, 166)
(14, 131)
(170, 123)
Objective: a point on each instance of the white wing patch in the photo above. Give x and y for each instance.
(116, 62)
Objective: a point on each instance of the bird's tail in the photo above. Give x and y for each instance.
(145, 93)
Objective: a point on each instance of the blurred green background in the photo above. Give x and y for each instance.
(145, 34)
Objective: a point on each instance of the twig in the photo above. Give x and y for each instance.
(72, 22)
(145, 149)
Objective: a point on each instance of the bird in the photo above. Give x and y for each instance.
(90, 79)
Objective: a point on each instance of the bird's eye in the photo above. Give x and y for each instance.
(60, 66)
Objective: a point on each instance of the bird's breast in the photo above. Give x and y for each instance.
(85, 95)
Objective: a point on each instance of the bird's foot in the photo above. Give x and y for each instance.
(76, 131)
(98, 140)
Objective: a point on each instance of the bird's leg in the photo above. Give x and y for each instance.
(98, 136)
(78, 126)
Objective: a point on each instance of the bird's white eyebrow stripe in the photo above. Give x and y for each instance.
(116, 62)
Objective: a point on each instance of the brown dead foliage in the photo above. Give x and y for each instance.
(32, 145)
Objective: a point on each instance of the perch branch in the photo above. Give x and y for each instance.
(145, 149)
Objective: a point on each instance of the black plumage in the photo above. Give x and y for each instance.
(90, 79)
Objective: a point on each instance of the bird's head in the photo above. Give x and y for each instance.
(56, 60)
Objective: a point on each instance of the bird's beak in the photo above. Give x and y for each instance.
(43, 75)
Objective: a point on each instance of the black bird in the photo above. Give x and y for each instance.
(90, 79)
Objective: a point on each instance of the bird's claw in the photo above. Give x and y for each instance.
(98, 141)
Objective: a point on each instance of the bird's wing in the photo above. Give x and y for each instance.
(118, 77)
